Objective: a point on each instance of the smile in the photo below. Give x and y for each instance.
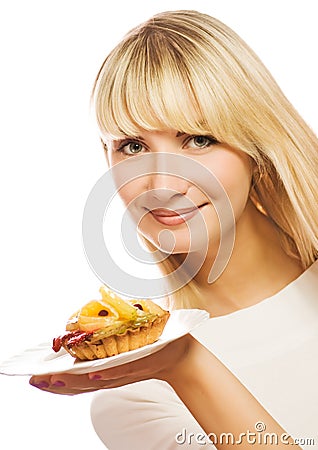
(170, 217)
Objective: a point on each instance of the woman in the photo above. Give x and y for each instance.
(184, 83)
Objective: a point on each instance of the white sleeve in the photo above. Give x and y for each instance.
(145, 416)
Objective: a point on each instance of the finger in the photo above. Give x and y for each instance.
(40, 382)
(63, 380)
(70, 384)
(65, 387)
(66, 390)
(88, 382)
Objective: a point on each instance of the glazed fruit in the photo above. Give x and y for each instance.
(110, 326)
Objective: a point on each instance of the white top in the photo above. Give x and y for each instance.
(272, 347)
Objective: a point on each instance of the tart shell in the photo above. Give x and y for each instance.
(131, 339)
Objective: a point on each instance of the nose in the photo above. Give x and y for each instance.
(163, 184)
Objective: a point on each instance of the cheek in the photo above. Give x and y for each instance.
(132, 194)
(131, 191)
(234, 173)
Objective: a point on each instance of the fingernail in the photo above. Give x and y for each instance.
(95, 377)
(58, 383)
(41, 384)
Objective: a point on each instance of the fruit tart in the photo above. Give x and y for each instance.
(110, 326)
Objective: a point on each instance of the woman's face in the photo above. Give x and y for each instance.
(163, 201)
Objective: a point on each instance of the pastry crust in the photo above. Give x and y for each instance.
(128, 325)
(131, 339)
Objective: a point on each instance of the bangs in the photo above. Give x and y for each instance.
(148, 83)
(182, 75)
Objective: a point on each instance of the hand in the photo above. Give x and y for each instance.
(165, 364)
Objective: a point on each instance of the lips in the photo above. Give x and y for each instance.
(174, 217)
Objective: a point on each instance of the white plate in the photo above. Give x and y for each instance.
(42, 360)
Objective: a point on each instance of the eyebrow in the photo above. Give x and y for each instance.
(140, 138)
(125, 137)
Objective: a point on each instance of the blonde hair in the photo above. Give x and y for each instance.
(187, 71)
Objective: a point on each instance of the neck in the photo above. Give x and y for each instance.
(258, 267)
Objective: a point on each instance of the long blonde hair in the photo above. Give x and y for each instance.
(187, 71)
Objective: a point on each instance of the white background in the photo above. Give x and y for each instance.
(51, 157)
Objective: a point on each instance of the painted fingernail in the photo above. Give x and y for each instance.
(41, 384)
(58, 383)
(95, 377)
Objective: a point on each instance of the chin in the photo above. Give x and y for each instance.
(175, 242)
(181, 239)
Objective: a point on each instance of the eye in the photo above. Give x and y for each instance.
(201, 142)
(131, 148)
